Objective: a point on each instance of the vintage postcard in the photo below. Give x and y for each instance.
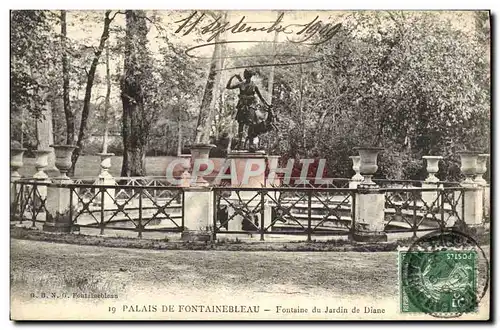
(250, 165)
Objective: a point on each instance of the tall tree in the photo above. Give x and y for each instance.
(88, 88)
(205, 116)
(68, 113)
(31, 69)
(107, 104)
(135, 121)
(270, 84)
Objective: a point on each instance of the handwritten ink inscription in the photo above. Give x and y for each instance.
(217, 26)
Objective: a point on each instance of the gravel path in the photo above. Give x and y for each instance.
(267, 278)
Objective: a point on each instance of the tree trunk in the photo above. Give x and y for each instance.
(301, 105)
(205, 117)
(134, 128)
(270, 84)
(107, 105)
(179, 138)
(217, 107)
(69, 115)
(22, 127)
(88, 90)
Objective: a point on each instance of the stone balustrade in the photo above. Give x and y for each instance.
(369, 200)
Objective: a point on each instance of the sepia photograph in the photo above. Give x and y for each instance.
(204, 165)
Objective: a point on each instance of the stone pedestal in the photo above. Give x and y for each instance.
(250, 168)
(370, 202)
(486, 201)
(199, 164)
(481, 182)
(370, 210)
(473, 204)
(58, 206)
(473, 198)
(198, 214)
(198, 198)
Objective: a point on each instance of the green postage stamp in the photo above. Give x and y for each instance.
(438, 282)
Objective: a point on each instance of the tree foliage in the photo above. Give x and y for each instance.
(416, 83)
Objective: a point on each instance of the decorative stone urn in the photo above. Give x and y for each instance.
(41, 162)
(368, 163)
(356, 163)
(105, 165)
(468, 165)
(185, 176)
(106, 179)
(63, 158)
(432, 167)
(16, 161)
(481, 168)
(200, 151)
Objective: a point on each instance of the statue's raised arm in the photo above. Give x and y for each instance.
(230, 85)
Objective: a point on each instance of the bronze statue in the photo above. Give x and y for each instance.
(249, 112)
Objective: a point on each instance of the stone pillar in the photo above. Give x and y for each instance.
(369, 213)
(106, 179)
(250, 173)
(473, 197)
(58, 216)
(199, 153)
(198, 214)
(357, 178)
(250, 168)
(481, 169)
(198, 200)
(429, 197)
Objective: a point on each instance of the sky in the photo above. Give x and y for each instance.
(86, 27)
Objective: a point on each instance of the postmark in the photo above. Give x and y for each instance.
(444, 274)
